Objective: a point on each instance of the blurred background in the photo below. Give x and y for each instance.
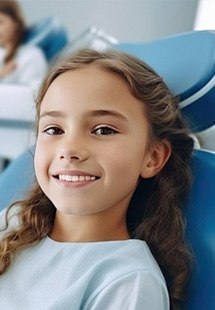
(58, 27)
(126, 20)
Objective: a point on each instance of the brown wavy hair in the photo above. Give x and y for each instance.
(156, 217)
(12, 9)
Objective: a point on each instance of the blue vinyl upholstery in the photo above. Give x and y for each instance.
(200, 215)
(187, 64)
(16, 179)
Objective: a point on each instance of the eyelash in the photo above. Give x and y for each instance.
(54, 130)
(107, 129)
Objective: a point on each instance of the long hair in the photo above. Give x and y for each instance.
(158, 219)
(12, 9)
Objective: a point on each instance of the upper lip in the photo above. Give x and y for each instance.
(74, 172)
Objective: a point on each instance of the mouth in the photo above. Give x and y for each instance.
(75, 178)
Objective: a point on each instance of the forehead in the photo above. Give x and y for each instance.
(91, 78)
(89, 88)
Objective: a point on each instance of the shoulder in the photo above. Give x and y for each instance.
(132, 291)
(31, 66)
(29, 52)
(128, 269)
(130, 256)
(13, 220)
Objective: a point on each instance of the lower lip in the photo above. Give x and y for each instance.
(74, 184)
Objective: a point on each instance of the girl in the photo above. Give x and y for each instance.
(108, 129)
(19, 63)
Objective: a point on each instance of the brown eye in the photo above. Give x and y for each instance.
(104, 131)
(53, 131)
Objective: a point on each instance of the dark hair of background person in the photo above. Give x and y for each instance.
(13, 10)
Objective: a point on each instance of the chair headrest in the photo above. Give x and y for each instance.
(187, 64)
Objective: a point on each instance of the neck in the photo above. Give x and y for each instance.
(91, 228)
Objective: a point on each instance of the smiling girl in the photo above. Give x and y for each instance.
(107, 128)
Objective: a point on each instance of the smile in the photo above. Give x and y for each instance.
(76, 178)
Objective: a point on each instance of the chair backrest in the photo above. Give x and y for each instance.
(200, 215)
(187, 64)
(49, 34)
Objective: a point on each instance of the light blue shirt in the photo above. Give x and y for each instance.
(111, 275)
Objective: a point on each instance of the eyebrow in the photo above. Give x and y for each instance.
(93, 113)
(113, 113)
(52, 114)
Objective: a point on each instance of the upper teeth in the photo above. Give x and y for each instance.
(76, 178)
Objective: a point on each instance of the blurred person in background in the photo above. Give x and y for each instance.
(19, 63)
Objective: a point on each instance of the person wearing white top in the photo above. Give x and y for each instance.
(22, 69)
(19, 64)
(30, 67)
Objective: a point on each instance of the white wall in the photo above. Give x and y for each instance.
(126, 20)
(205, 18)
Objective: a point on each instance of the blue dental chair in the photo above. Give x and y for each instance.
(173, 59)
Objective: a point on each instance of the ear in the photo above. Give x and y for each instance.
(156, 159)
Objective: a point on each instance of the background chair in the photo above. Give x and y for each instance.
(49, 34)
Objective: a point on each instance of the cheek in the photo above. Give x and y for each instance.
(11, 29)
(41, 159)
(7, 32)
(125, 159)
(3, 33)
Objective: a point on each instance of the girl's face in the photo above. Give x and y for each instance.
(92, 143)
(7, 29)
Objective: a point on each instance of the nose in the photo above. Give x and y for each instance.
(72, 148)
